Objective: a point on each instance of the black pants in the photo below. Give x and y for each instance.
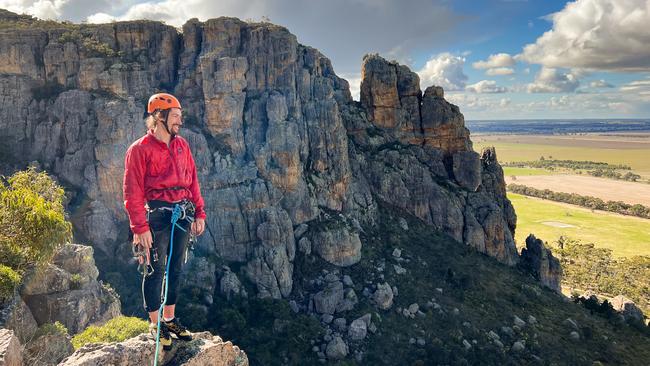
(160, 225)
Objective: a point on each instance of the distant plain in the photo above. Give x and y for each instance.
(548, 220)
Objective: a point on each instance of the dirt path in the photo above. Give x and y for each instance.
(605, 189)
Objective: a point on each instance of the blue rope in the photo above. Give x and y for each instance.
(176, 214)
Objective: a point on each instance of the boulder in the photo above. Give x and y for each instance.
(358, 329)
(627, 308)
(203, 349)
(338, 246)
(327, 300)
(383, 296)
(10, 349)
(336, 349)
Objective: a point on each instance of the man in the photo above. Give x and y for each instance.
(160, 173)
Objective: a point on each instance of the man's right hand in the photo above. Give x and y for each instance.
(144, 241)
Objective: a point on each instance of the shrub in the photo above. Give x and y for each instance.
(115, 330)
(33, 223)
(76, 281)
(9, 279)
(49, 328)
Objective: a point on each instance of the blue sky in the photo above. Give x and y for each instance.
(497, 59)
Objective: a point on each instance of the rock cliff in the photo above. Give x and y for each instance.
(279, 143)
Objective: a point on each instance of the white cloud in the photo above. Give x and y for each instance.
(42, 9)
(494, 61)
(75, 10)
(486, 86)
(639, 87)
(99, 18)
(600, 84)
(500, 71)
(445, 70)
(597, 35)
(550, 80)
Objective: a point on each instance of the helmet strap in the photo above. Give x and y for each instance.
(166, 126)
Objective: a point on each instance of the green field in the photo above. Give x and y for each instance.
(516, 171)
(625, 236)
(511, 152)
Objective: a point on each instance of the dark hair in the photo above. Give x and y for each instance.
(150, 121)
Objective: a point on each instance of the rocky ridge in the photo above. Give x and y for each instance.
(278, 140)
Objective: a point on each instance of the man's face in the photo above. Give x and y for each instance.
(175, 121)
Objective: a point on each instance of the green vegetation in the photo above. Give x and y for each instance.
(612, 174)
(49, 328)
(84, 39)
(9, 279)
(624, 235)
(33, 223)
(509, 171)
(593, 203)
(594, 168)
(76, 281)
(265, 328)
(552, 164)
(115, 330)
(587, 267)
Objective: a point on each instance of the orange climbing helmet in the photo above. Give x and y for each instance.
(160, 101)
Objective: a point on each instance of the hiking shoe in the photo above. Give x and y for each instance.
(177, 328)
(165, 336)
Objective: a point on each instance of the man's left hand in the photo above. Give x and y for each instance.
(198, 227)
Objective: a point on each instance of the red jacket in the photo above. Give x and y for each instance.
(151, 168)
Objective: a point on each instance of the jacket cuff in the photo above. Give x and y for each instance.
(140, 229)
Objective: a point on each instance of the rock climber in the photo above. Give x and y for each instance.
(159, 174)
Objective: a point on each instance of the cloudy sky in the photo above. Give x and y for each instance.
(496, 59)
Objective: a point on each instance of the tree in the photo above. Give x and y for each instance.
(33, 223)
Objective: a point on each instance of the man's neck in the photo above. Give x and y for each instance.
(162, 135)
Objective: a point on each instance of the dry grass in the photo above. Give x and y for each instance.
(605, 189)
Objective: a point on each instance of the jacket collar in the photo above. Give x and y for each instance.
(153, 138)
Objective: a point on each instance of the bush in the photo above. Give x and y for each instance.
(115, 330)
(49, 328)
(33, 224)
(9, 279)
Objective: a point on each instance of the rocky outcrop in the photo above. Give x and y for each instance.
(15, 315)
(67, 291)
(48, 349)
(627, 308)
(203, 349)
(276, 136)
(538, 260)
(10, 349)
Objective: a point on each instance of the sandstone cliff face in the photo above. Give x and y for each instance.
(279, 142)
